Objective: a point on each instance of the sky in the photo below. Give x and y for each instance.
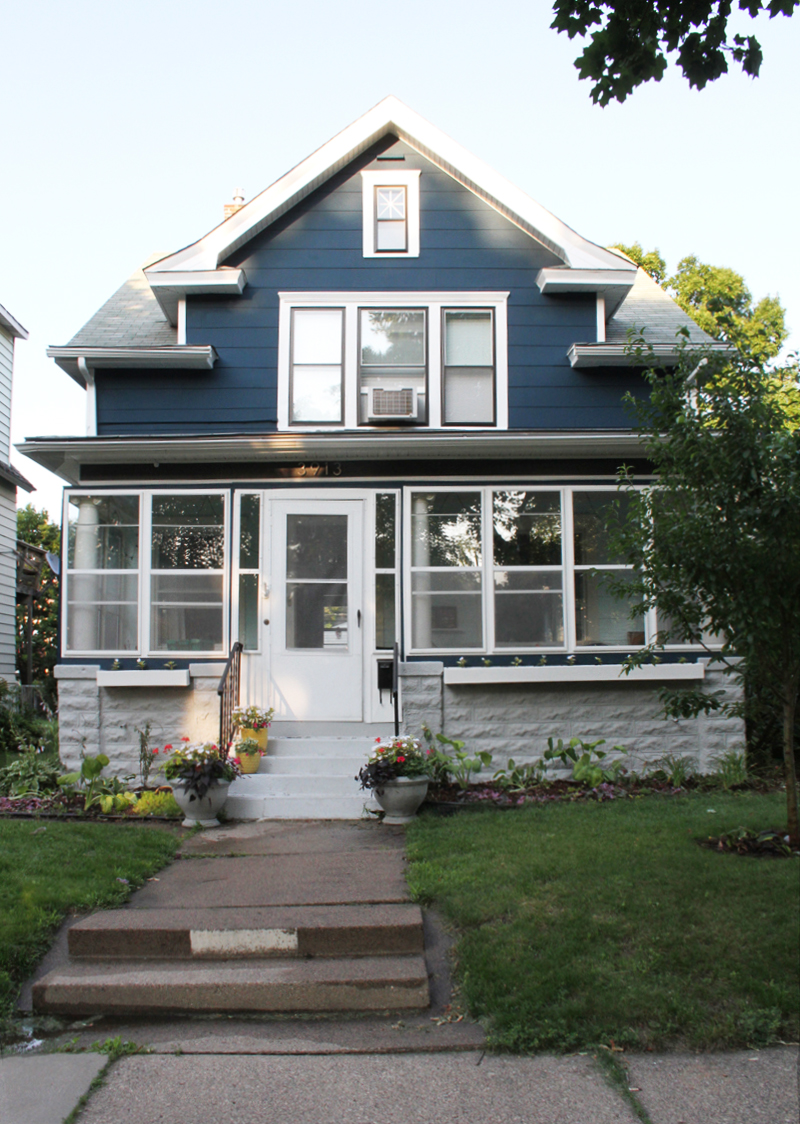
(127, 127)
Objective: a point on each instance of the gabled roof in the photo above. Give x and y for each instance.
(11, 325)
(388, 117)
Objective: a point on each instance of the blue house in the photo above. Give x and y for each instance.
(381, 402)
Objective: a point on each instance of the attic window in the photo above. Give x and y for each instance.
(390, 201)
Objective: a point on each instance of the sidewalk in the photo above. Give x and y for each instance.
(358, 1068)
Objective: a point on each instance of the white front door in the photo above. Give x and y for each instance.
(315, 633)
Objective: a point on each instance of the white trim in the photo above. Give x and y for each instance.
(181, 322)
(385, 178)
(604, 354)
(601, 317)
(573, 673)
(156, 678)
(613, 284)
(87, 374)
(170, 288)
(433, 303)
(390, 117)
(10, 324)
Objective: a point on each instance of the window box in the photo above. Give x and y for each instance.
(163, 678)
(575, 673)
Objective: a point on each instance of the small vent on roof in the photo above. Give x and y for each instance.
(237, 204)
(392, 403)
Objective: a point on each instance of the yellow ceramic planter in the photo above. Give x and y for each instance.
(259, 736)
(250, 762)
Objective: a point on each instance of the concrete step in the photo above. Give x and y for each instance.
(149, 987)
(346, 930)
(295, 784)
(243, 805)
(320, 747)
(308, 766)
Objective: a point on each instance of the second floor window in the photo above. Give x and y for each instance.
(391, 220)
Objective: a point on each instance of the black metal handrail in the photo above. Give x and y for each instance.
(228, 691)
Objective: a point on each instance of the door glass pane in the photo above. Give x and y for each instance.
(316, 615)
(316, 546)
(249, 532)
(392, 337)
(384, 611)
(527, 528)
(384, 532)
(528, 608)
(248, 611)
(317, 336)
(602, 618)
(468, 339)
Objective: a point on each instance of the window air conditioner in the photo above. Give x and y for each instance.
(386, 404)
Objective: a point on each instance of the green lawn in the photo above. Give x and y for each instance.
(49, 868)
(583, 923)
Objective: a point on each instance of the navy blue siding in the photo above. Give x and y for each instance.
(465, 245)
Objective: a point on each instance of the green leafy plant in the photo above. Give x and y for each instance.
(519, 778)
(197, 767)
(731, 769)
(586, 760)
(87, 778)
(32, 774)
(454, 764)
(676, 769)
(146, 754)
(247, 746)
(157, 804)
(252, 717)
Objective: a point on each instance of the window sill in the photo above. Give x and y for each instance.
(143, 678)
(577, 673)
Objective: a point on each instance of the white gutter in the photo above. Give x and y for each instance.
(186, 358)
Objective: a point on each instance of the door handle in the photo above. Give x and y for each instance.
(266, 620)
(358, 618)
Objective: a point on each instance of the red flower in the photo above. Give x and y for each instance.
(377, 739)
(166, 747)
(186, 739)
(401, 758)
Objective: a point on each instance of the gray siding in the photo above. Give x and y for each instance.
(8, 580)
(6, 369)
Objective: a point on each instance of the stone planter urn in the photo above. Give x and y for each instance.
(401, 797)
(202, 811)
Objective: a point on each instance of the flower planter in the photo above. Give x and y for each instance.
(249, 761)
(401, 797)
(201, 811)
(260, 736)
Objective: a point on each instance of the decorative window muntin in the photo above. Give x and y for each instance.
(391, 219)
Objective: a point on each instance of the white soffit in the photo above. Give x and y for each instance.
(611, 284)
(620, 354)
(172, 287)
(390, 116)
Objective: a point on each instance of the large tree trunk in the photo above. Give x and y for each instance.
(789, 706)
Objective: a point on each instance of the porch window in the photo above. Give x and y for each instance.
(446, 578)
(249, 569)
(103, 574)
(187, 568)
(600, 617)
(385, 569)
(528, 569)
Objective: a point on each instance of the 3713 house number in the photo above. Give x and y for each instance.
(326, 469)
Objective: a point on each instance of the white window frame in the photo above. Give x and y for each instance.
(434, 303)
(390, 177)
(145, 572)
(570, 645)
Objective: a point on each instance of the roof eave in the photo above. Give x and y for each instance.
(622, 355)
(11, 325)
(180, 357)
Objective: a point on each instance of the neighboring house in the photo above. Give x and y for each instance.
(381, 401)
(10, 480)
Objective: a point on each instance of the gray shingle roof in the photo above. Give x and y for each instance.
(131, 318)
(648, 306)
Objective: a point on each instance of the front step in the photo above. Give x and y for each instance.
(252, 806)
(150, 987)
(347, 930)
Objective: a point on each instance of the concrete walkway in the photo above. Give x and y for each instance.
(367, 1068)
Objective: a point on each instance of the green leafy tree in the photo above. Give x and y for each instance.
(718, 301)
(716, 546)
(634, 38)
(35, 527)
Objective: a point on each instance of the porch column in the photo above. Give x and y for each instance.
(83, 636)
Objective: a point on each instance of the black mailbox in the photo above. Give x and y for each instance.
(385, 682)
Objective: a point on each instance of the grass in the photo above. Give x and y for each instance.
(606, 923)
(48, 870)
